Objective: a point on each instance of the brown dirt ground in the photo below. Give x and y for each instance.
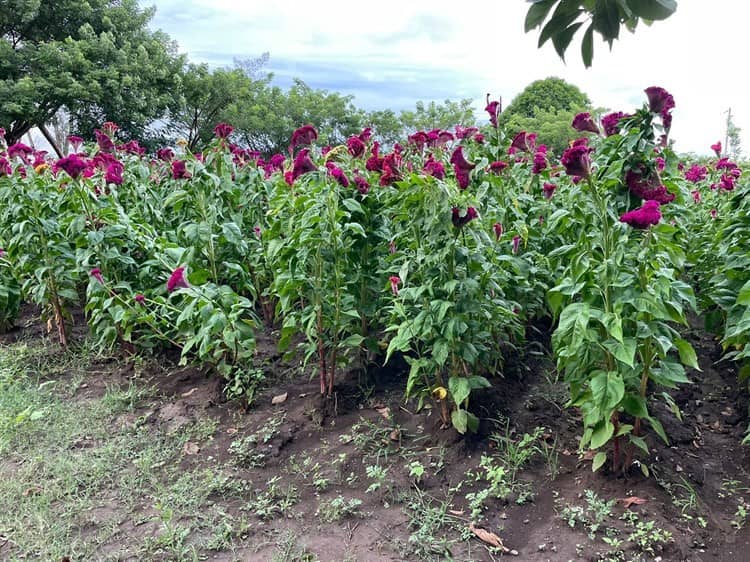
(705, 453)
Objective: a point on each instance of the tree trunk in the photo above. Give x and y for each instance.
(51, 140)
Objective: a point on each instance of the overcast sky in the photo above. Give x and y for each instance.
(389, 54)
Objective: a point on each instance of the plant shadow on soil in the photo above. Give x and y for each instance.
(139, 459)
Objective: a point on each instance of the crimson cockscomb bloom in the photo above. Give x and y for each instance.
(73, 165)
(461, 167)
(498, 166)
(302, 164)
(375, 161)
(584, 122)
(179, 170)
(223, 130)
(498, 228)
(516, 244)
(540, 159)
(659, 100)
(355, 146)
(365, 134)
(696, 173)
(647, 186)
(465, 132)
(166, 154)
(549, 190)
(178, 280)
(114, 173)
(434, 168)
(75, 142)
(418, 139)
(523, 141)
(362, 185)
(460, 220)
(610, 123)
(96, 273)
(717, 148)
(105, 143)
(391, 168)
(140, 298)
(5, 167)
(132, 147)
(696, 195)
(395, 281)
(338, 174)
(493, 108)
(110, 128)
(21, 151)
(303, 136)
(577, 159)
(643, 217)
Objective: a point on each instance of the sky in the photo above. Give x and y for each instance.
(390, 54)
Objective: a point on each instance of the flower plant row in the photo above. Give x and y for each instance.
(443, 249)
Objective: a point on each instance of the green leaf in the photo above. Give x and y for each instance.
(536, 14)
(635, 406)
(607, 390)
(602, 433)
(472, 422)
(743, 298)
(687, 353)
(199, 276)
(459, 388)
(652, 10)
(624, 351)
(639, 442)
(561, 40)
(587, 47)
(659, 429)
(460, 420)
(599, 460)
(477, 381)
(669, 374)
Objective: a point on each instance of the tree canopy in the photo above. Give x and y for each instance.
(97, 59)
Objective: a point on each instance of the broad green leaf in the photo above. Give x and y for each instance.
(460, 420)
(607, 390)
(536, 14)
(599, 460)
(659, 429)
(687, 353)
(602, 433)
(635, 406)
(459, 388)
(587, 47)
(652, 10)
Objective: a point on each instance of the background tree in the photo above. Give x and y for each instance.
(604, 16)
(433, 115)
(97, 59)
(547, 107)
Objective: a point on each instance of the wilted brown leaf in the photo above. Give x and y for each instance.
(32, 491)
(191, 448)
(489, 538)
(396, 435)
(232, 431)
(280, 399)
(189, 392)
(632, 500)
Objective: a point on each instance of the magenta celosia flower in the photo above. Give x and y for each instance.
(713, 213)
(660, 163)
(258, 232)
(461, 167)
(523, 141)
(20, 150)
(696, 196)
(75, 142)
(444, 137)
(40, 157)
(375, 162)
(303, 136)
(105, 143)
(132, 147)
(727, 182)
(498, 228)
(166, 154)
(2, 134)
(356, 146)
(647, 187)
(102, 160)
(659, 100)
(725, 164)
(179, 170)
(516, 244)
(302, 164)
(577, 159)
(584, 122)
(362, 185)
(338, 174)
(696, 173)
(465, 132)
(277, 161)
(643, 217)
(434, 168)
(610, 123)
(96, 273)
(114, 173)
(540, 159)
(498, 166)
(391, 169)
(460, 220)
(717, 148)
(223, 130)
(395, 281)
(140, 298)
(418, 139)
(110, 128)
(479, 138)
(289, 177)
(5, 167)
(365, 134)
(549, 190)
(177, 280)
(73, 165)
(493, 108)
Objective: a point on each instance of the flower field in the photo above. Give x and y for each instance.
(440, 257)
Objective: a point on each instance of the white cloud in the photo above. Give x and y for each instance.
(473, 47)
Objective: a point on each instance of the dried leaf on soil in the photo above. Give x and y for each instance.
(280, 399)
(189, 392)
(232, 430)
(632, 500)
(32, 491)
(191, 448)
(488, 537)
